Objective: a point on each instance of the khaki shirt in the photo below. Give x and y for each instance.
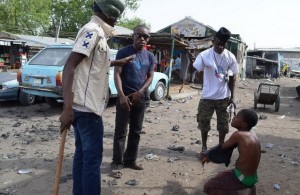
(90, 84)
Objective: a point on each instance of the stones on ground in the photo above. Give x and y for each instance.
(112, 182)
(132, 182)
(176, 148)
(151, 157)
(263, 117)
(295, 163)
(184, 100)
(175, 128)
(5, 135)
(24, 171)
(172, 159)
(277, 186)
(10, 156)
(65, 178)
(198, 142)
(269, 145)
(18, 124)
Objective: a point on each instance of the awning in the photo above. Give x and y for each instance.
(9, 42)
(157, 39)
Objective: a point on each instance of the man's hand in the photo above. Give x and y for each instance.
(66, 118)
(125, 103)
(231, 101)
(123, 61)
(135, 98)
(204, 158)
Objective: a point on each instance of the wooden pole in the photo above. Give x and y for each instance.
(59, 162)
(171, 64)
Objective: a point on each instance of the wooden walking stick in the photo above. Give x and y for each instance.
(182, 85)
(59, 162)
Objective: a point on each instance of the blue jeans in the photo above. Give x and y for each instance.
(88, 130)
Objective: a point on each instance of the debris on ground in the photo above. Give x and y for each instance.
(178, 148)
(151, 157)
(132, 182)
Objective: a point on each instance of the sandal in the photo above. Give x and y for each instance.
(117, 175)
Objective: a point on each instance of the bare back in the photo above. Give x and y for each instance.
(249, 151)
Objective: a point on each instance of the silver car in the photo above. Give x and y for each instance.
(9, 89)
(295, 71)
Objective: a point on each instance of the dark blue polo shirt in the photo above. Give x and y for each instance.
(135, 73)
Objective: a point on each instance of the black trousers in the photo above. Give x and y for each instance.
(298, 90)
(135, 119)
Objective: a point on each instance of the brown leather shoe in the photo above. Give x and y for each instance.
(133, 165)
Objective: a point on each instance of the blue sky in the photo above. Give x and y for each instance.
(263, 23)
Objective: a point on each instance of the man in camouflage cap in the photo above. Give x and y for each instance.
(85, 85)
(111, 8)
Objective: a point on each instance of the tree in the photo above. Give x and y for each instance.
(74, 14)
(25, 16)
(35, 17)
(131, 23)
(132, 4)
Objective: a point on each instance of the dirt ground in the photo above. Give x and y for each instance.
(29, 142)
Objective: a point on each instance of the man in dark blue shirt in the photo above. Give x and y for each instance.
(132, 81)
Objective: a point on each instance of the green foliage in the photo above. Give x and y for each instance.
(132, 4)
(131, 23)
(42, 17)
(25, 16)
(74, 14)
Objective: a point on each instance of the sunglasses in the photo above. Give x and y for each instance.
(139, 35)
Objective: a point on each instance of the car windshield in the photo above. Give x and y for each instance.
(51, 57)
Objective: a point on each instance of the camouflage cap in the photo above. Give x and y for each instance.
(111, 8)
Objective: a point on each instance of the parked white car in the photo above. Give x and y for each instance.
(295, 71)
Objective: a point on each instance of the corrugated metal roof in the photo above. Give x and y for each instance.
(296, 49)
(186, 18)
(40, 41)
(123, 31)
(262, 59)
(159, 39)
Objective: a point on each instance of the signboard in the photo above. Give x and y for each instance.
(5, 43)
(189, 28)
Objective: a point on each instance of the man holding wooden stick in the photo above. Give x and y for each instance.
(85, 85)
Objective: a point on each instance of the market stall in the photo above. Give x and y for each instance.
(160, 44)
(12, 51)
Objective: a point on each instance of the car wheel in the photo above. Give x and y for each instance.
(52, 102)
(159, 91)
(26, 99)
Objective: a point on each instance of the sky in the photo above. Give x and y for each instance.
(260, 23)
